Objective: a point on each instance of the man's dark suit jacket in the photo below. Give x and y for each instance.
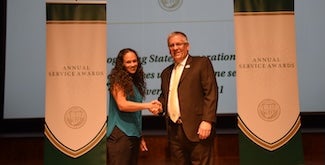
(197, 93)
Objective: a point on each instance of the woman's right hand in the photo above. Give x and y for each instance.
(155, 107)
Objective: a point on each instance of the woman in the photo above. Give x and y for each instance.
(127, 90)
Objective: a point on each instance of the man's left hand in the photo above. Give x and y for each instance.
(204, 130)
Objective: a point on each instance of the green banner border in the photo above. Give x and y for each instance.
(96, 156)
(263, 5)
(251, 154)
(75, 12)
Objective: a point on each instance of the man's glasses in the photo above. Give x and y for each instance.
(177, 44)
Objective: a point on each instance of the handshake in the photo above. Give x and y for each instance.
(155, 107)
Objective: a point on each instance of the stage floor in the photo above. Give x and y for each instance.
(28, 149)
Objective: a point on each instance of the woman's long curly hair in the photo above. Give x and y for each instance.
(119, 75)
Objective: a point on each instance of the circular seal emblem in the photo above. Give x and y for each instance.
(268, 110)
(170, 5)
(75, 117)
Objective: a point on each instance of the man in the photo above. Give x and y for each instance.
(191, 120)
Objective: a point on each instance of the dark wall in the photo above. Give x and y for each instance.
(226, 123)
(3, 16)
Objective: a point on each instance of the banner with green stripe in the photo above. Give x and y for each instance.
(267, 84)
(75, 104)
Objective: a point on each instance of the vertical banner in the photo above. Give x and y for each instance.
(75, 108)
(267, 83)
